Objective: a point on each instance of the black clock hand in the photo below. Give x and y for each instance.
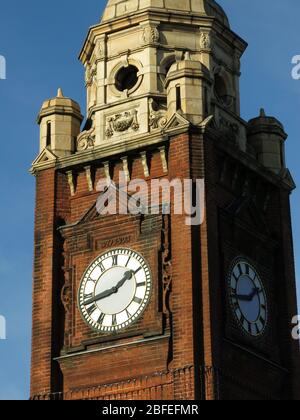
(128, 275)
(248, 298)
(101, 296)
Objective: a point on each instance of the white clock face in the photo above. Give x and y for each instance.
(115, 290)
(248, 298)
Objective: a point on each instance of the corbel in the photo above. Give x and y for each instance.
(163, 157)
(145, 164)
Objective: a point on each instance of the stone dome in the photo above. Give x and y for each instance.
(118, 8)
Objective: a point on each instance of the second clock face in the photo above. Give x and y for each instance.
(115, 290)
(248, 297)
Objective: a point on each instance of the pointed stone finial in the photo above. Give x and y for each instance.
(262, 113)
(60, 93)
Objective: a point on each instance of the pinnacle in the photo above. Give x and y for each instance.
(60, 93)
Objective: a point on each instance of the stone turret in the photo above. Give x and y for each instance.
(146, 56)
(60, 120)
(188, 85)
(266, 136)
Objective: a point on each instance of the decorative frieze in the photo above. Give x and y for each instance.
(205, 41)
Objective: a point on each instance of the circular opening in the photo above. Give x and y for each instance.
(126, 78)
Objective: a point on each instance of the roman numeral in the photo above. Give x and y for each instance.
(139, 269)
(138, 300)
(249, 328)
(91, 309)
(101, 266)
(262, 320)
(247, 269)
(89, 296)
(101, 319)
(129, 258)
(240, 269)
(141, 284)
(114, 320)
(257, 329)
(235, 277)
(128, 314)
(115, 260)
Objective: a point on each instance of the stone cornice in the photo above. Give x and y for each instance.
(159, 16)
(104, 151)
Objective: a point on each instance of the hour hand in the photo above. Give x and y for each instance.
(101, 296)
(248, 298)
(244, 298)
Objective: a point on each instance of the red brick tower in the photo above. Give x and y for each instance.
(148, 306)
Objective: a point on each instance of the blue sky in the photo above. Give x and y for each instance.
(41, 45)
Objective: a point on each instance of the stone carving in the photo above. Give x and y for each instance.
(90, 73)
(87, 74)
(66, 297)
(99, 49)
(205, 41)
(86, 140)
(157, 116)
(166, 264)
(71, 182)
(150, 35)
(120, 123)
(66, 291)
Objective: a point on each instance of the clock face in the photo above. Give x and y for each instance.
(115, 290)
(248, 298)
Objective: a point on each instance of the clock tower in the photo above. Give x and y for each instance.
(142, 304)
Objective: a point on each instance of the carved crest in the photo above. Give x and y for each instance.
(120, 123)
